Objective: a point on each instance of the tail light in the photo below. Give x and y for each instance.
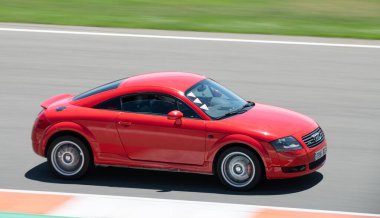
(42, 122)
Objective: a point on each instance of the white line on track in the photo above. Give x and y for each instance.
(190, 202)
(89, 33)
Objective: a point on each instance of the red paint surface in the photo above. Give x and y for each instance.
(152, 141)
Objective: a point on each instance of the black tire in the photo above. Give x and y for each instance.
(244, 163)
(74, 161)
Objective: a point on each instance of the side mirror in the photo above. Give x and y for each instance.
(175, 115)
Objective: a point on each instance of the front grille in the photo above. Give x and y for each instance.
(317, 163)
(314, 138)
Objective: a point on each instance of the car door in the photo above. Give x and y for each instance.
(148, 135)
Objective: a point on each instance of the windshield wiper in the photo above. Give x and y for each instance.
(239, 111)
(230, 114)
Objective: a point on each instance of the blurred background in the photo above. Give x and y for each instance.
(338, 86)
(332, 18)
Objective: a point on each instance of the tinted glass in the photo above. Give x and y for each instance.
(156, 103)
(149, 103)
(113, 104)
(186, 110)
(214, 99)
(103, 88)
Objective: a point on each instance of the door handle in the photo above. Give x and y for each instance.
(125, 123)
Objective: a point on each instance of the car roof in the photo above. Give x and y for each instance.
(175, 80)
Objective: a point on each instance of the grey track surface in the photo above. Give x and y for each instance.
(337, 86)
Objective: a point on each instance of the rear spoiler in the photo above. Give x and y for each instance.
(53, 99)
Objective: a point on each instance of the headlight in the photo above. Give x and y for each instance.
(286, 144)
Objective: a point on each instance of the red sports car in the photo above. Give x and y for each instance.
(178, 122)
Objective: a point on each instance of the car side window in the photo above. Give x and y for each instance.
(112, 104)
(187, 111)
(155, 103)
(150, 103)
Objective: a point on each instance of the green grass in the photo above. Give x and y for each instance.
(330, 18)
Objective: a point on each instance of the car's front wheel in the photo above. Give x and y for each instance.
(238, 168)
(68, 157)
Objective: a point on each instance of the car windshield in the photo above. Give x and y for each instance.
(215, 100)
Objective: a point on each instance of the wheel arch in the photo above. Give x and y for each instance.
(69, 128)
(68, 133)
(236, 144)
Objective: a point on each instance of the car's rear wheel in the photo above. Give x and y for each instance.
(239, 168)
(68, 157)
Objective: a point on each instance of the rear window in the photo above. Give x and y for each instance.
(102, 88)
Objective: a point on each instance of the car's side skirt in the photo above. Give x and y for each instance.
(102, 159)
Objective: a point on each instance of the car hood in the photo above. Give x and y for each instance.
(269, 123)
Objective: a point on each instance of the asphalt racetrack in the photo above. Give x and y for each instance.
(338, 86)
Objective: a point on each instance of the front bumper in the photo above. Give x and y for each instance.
(297, 163)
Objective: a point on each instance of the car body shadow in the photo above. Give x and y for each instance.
(169, 181)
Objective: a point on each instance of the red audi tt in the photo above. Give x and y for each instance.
(178, 122)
